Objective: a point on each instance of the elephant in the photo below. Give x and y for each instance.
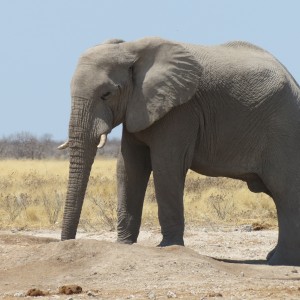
(229, 110)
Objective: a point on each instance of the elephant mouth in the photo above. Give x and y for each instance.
(101, 144)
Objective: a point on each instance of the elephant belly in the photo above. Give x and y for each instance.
(221, 169)
(254, 182)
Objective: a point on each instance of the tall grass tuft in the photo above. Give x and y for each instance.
(33, 192)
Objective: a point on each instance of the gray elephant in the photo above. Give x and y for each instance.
(229, 110)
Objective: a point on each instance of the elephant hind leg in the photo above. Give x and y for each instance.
(285, 189)
(256, 185)
(271, 253)
(287, 251)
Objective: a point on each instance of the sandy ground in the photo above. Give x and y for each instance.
(217, 263)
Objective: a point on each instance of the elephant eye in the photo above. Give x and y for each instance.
(104, 96)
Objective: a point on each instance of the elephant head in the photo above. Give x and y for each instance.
(134, 83)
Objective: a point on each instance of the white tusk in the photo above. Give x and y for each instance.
(63, 146)
(102, 142)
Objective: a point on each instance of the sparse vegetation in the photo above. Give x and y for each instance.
(33, 192)
(24, 145)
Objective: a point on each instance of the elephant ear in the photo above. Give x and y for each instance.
(165, 75)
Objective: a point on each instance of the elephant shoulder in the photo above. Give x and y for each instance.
(243, 44)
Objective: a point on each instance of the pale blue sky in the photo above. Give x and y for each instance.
(42, 40)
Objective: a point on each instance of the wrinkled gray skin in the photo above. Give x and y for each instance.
(230, 110)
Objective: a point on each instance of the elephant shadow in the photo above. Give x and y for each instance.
(257, 268)
(243, 261)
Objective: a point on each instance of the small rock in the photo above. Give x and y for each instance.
(151, 295)
(292, 287)
(19, 294)
(294, 271)
(242, 274)
(35, 293)
(214, 295)
(171, 294)
(90, 294)
(247, 228)
(70, 289)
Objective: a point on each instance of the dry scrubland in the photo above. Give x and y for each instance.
(32, 194)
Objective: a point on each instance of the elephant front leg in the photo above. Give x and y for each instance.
(169, 178)
(133, 171)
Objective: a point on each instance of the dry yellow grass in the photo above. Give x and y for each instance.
(33, 192)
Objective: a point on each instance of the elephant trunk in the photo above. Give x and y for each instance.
(82, 153)
(79, 172)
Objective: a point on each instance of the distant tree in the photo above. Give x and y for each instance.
(25, 145)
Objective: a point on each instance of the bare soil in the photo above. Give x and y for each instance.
(217, 263)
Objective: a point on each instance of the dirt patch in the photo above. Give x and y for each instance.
(106, 270)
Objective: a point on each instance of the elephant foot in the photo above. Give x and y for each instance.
(270, 254)
(125, 242)
(284, 257)
(127, 237)
(171, 240)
